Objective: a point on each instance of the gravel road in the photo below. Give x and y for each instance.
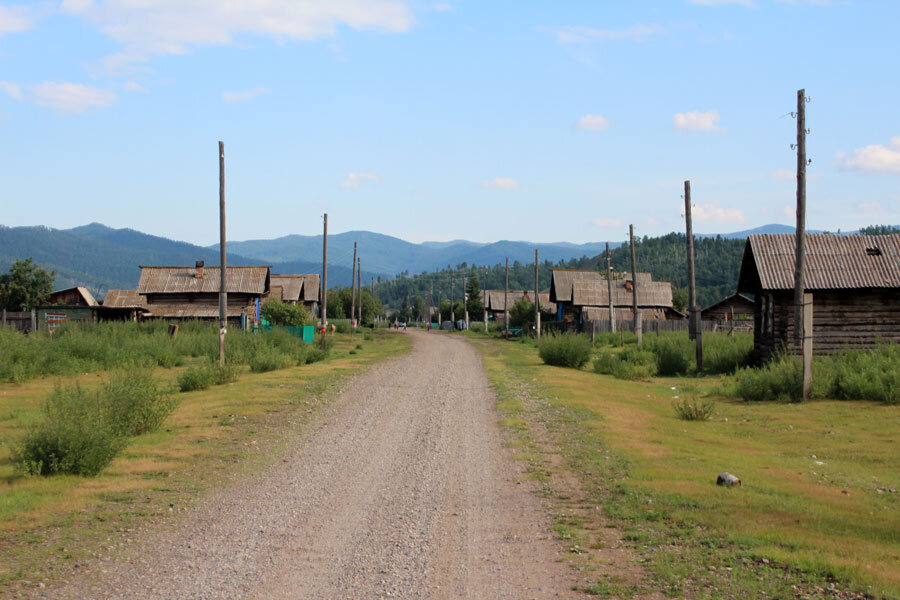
(403, 490)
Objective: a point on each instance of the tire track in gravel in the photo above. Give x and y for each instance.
(403, 490)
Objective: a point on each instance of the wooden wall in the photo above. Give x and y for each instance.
(842, 319)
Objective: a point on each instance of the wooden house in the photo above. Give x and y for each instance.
(76, 296)
(177, 293)
(735, 310)
(584, 296)
(296, 289)
(494, 304)
(79, 305)
(855, 286)
(128, 303)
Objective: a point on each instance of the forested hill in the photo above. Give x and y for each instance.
(718, 261)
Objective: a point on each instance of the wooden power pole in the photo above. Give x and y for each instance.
(637, 326)
(223, 289)
(506, 300)
(325, 275)
(693, 310)
(452, 308)
(609, 289)
(537, 300)
(484, 295)
(358, 291)
(802, 335)
(353, 291)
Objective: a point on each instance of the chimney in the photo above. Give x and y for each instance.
(198, 274)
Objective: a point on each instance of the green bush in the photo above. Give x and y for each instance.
(194, 378)
(724, 353)
(778, 380)
(227, 373)
(864, 375)
(615, 339)
(136, 403)
(674, 353)
(342, 326)
(631, 363)
(277, 312)
(565, 350)
(269, 359)
(692, 408)
(75, 435)
(315, 355)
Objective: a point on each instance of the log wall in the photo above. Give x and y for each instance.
(842, 320)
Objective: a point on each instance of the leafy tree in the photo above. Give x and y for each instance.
(405, 310)
(419, 309)
(277, 312)
(879, 230)
(339, 300)
(26, 286)
(474, 303)
(679, 299)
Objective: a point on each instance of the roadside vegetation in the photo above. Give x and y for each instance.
(91, 347)
(818, 512)
(138, 451)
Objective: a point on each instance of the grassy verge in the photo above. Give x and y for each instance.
(818, 513)
(50, 526)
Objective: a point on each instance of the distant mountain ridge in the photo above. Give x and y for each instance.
(101, 258)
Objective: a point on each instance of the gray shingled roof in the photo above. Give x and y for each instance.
(182, 280)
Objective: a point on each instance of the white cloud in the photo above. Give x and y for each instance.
(12, 89)
(71, 97)
(353, 180)
(15, 19)
(501, 183)
(605, 222)
(583, 35)
(592, 123)
(242, 96)
(790, 211)
(74, 7)
(713, 213)
(697, 121)
(747, 3)
(133, 86)
(784, 175)
(873, 159)
(443, 7)
(176, 26)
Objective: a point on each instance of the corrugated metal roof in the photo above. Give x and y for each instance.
(182, 280)
(596, 293)
(495, 298)
(124, 299)
(737, 298)
(86, 296)
(832, 261)
(561, 282)
(598, 313)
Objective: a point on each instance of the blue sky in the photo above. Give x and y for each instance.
(542, 121)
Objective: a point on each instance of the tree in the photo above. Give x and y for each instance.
(680, 299)
(26, 286)
(419, 309)
(474, 303)
(405, 310)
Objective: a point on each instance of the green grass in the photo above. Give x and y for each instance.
(815, 506)
(202, 445)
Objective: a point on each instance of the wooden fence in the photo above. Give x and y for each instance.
(20, 321)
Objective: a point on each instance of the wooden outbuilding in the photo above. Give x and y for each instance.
(178, 293)
(296, 289)
(583, 296)
(855, 286)
(75, 296)
(735, 310)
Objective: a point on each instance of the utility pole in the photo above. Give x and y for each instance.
(693, 310)
(359, 290)
(506, 301)
(353, 291)
(537, 300)
(638, 326)
(223, 290)
(484, 295)
(609, 289)
(452, 308)
(375, 318)
(324, 276)
(800, 332)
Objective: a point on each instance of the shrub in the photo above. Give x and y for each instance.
(674, 353)
(369, 337)
(227, 373)
(692, 408)
(726, 353)
(75, 435)
(277, 312)
(194, 378)
(631, 363)
(342, 327)
(565, 350)
(269, 359)
(865, 375)
(315, 355)
(779, 379)
(614, 339)
(136, 403)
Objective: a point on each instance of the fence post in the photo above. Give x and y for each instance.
(33, 320)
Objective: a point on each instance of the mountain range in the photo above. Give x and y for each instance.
(101, 258)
